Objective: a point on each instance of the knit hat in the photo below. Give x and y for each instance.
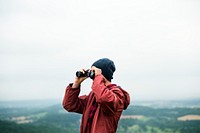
(107, 67)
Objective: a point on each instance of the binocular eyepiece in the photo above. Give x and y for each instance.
(88, 73)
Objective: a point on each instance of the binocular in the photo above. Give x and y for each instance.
(88, 73)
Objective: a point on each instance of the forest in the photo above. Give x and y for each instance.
(136, 119)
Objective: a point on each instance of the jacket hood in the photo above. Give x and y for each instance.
(126, 95)
(126, 98)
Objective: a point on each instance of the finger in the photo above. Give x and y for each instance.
(83, 70)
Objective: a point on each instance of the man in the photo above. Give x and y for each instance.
(103, 106)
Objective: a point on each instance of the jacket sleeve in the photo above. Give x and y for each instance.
(110, 100)
(72, 102)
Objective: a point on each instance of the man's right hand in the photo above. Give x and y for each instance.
(78, 80)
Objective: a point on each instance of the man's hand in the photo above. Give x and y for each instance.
(96, 70)
(78, 80)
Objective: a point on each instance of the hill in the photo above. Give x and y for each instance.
(136, 119)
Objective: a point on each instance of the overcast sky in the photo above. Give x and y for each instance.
(155, 46)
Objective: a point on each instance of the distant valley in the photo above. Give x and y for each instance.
(143, 117)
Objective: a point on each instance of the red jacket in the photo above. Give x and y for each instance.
(112, 100)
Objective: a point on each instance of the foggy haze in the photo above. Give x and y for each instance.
(154, 45)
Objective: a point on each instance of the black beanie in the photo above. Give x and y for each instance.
(107, 67)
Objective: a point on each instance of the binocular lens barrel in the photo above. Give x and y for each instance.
(87, 73)
(80, 74)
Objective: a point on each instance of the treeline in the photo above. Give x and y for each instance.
(55, 120)
(155, 125)
(51, 123)
(159, 120)
(11, 127)
(160, 112)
